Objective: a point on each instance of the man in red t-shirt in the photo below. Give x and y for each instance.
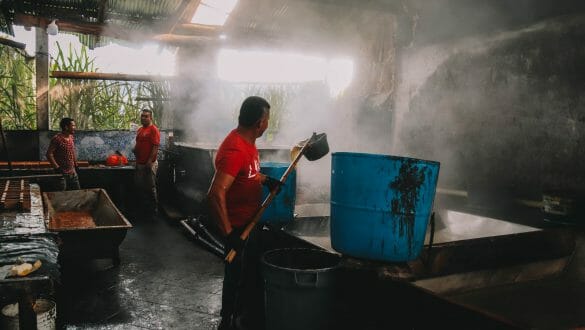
(146, 150)
(234, 197)
(61, 155)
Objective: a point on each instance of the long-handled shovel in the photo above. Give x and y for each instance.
(314, 148)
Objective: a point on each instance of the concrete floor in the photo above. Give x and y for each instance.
(165, 281)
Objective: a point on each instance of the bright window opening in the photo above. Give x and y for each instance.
(213, 12)
(271, 67)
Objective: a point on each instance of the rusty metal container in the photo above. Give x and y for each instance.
(89, 224)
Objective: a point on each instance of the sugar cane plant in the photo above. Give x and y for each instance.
(99, 104)
(94, 104)
(279, 96)
(17, 94)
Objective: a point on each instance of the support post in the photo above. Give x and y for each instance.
(42, 78)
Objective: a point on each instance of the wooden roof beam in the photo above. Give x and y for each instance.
(193, 29)
(185, 41)
(70, 26)
(101, 15)
(188, 29)
(12, 43)
(185, 14)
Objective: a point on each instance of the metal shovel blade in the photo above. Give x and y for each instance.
(317, 147)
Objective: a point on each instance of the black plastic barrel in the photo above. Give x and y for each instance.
(300, 289)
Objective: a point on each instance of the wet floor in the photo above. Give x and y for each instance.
(165, 281)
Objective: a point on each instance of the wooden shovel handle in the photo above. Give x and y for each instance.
(232, 254)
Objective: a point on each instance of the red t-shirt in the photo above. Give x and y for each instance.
(64, 152)
(146, 139)
(239, 158)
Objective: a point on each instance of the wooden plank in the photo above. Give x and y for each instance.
(38, 164)
(194, 29)
(188, 6)
(12, 43)
(107, 76)
(186, 41)
(5, 191)
(71, 26)
(21, 199)
(103, 4)
(117, 32)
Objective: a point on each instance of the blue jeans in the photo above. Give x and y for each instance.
(69, 182)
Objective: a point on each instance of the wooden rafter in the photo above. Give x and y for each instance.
(184, 15)
(190, 32)
(183, 40)
(12, 43)
(101, 15)
(193, 29)
(106, 76)
(103, 4)
(70, 26)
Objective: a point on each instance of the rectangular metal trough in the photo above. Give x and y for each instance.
(89, 225)
(469, 252)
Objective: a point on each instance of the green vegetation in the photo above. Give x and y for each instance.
(279, 97)
(94, 104)
(99, 104)
(17, 93)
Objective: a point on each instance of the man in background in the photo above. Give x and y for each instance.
(61, 155)
(146, 150)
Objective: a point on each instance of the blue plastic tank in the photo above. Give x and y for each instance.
(282, 208)
(380, 205)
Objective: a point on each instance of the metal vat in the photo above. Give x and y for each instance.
(88, 223)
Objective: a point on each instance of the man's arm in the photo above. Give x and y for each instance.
(155, 140)
(75, 159)
(217, 202)
(152, 156)
(51, 157)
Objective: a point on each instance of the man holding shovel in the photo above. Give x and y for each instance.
(234, 197)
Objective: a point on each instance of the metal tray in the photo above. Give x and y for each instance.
(101, 239)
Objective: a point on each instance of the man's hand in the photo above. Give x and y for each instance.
(148, 164)
(272, 184)
(235, 242)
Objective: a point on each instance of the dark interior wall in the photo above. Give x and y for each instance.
(503, 109)
(21, 145)
(426, 22)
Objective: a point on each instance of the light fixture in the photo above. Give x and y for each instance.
(52, 28)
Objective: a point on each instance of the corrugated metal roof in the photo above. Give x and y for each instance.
(131, 14)
(311, 20)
